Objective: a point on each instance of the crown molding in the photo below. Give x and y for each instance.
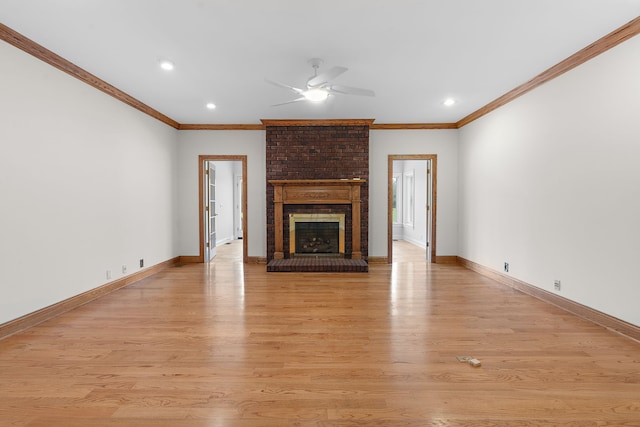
(372, 126)
(408, 126)
(330, 122)
(29, 46)
(627, 31)
(221, 127)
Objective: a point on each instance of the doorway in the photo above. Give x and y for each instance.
(412, 194)
(222, 204)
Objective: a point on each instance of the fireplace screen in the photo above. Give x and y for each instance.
(316, 234)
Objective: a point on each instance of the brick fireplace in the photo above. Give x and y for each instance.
(318, 152)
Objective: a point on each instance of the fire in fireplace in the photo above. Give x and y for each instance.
(316, 235)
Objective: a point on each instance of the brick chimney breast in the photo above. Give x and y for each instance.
(306, 150)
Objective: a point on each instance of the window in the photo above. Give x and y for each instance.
(396, 200)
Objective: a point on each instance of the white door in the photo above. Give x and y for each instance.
(210, 210)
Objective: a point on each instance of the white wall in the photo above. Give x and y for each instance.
(443, 143)
(382, 143)
(87, 184)
(550, 183)
(191, 144)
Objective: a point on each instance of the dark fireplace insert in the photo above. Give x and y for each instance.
(317, 238)
(316, 235)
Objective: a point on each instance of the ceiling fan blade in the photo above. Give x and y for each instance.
(326, 77)
(348, 90)
(302, 98)
(282, 85)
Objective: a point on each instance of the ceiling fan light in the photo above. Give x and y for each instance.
(316, 95)
(167, 65)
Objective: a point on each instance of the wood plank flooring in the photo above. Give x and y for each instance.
(227, 344)
(404, 251)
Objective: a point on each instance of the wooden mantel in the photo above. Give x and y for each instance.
(317, 192)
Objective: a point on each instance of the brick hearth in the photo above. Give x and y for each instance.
(326, 265)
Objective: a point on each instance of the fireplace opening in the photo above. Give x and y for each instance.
(317, 238)
(316, 235)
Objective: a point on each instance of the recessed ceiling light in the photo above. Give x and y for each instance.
(449, 102)
(211, 105)
(166, 65)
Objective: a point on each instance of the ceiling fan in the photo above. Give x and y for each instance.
(320, 86)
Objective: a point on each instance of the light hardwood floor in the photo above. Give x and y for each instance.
(227, 344)
(404, 251)
(229, 252)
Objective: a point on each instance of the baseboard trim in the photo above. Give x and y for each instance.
(446, 259)
(595, 316)
(29, 320)
(196, 259)
(378, 260)
(187, 259)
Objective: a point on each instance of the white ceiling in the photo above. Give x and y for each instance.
(412, 53)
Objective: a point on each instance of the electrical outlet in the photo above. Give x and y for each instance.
(141, 262)
(506, 267)
(556, 285)
(124, 269)
(108, 274)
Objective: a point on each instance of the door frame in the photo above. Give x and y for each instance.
(201, 213)
(434, 191)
